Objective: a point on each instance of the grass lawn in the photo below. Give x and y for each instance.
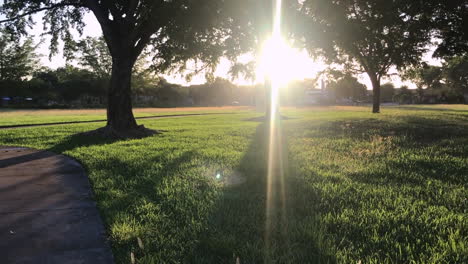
(12, 117)
(353, 186)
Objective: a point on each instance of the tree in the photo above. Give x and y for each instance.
(74, 82)
(456, 73)
(387, 93)
(176, 31)
(425, 76)
(452, 76)
(366, 36)
(347, 86)
(403, 95)
(18, 59)
(44, 83)
(169, 94)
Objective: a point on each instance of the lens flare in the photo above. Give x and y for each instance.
(278, 62)
(275, 56)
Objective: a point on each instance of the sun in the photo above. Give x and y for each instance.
(280, 63)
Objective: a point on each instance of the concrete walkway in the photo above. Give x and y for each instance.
(47, 214)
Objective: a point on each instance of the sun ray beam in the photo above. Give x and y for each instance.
(274, 58)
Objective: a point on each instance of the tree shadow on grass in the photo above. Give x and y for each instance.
(84, 140)
(78, 140)
(415, 130)
(264, 219)
(136, 203)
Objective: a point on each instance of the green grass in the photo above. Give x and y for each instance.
(354, 186)
(11, 117)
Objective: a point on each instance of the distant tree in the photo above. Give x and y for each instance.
(169, 94)
(387, 93)
(67, 84)
(456, 73)
(452, 76)
(45, 83)
(419, 95)
(403, 95)
(75, 82)
(18, 58)
(46, 75)
(425, 76)
(223, 91)
(177, 31)
(348, 87)
(215, 93)
(366, 36)
(93, 54)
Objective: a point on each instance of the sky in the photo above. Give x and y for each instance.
(302, 66)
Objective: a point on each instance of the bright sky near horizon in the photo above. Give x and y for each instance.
(304, 66)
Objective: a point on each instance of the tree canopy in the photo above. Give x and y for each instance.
(451, 25)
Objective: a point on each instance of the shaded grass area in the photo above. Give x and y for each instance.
(388, 188)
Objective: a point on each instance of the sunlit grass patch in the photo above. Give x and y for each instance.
(10, 117)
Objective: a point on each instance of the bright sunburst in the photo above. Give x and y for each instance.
(282, 64)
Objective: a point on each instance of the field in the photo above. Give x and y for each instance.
(12, 117)
(348, 186)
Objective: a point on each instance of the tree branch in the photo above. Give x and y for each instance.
(115, 12)
(132, 6)
(40, 10)
(104, 21)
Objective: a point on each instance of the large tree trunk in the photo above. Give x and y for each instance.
(376, 92)
(119, 106)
